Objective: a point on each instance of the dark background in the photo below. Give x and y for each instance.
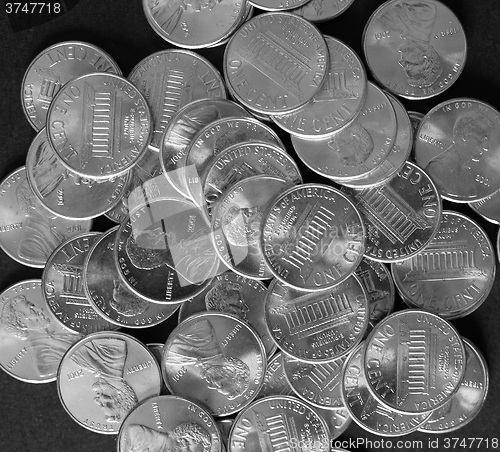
(31, 416)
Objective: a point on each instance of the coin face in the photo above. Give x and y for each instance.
(415, 49)
(275, 382)
(458, 145)
(99, 125)
(103, 377)
(30, 233)
(276, 62)
(216, 359)
(32, 343)
(169, 422)
(170, 79)
(414, 361)
(53, 68)
(322, 10)
(454, 274)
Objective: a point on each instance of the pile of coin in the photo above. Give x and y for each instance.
(285, 300)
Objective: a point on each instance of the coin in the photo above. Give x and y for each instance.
(277, 5)
(275, 383)
(29, 232)
(170, 79)
(99, 125)
(157, 350)
(339, 100)
(488, 208)
(275, 62)
(54, 67)
(322, 10)
(317, 327)
(338, 421)
(217, 359)
(458, 145)
(454, 274)
(401, 216)
(103, 377)
(32, 344)
(414, 361)
(415, 49)
(313, 237)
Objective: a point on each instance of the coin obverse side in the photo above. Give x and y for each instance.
(322, 10)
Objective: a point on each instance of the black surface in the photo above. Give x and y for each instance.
(31, 416)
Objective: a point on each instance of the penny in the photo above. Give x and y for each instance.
(170, 79)
(54, 67)
(488, 208)
(415, 49)
(29, 233)
(103, 377)
(65, 193)
(357, 149)
(99, 125)
(276, 62)
(339, 100)
(317, 327)
(458, 145)
(454, 274)
(32, 343)
(277, 5)
(313, 237)
(216, 359)
(275, 382)
(401, 216)
(322, 10)
(338, 421)
(414, 361)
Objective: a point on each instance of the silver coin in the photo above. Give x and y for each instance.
(275, 382)
(466, 404)
(317, 327)
(415, 49)
(401, 216)
(99, 125)
(32, 343)
(313, 237)
(277, 5)
(338, 421)
(62, 282)
(322, 10)
(172, 78)
(157, 350)
(414, 361)
(458, 145)
(29, 232)
(164, 251)
(454, 274)
(488, 208)
(103, 377)
(65, 193)
(110, 297)
(217, 359)
(366, 410)
(357, 149)
(276, 62)
(275, 422)
(54, 67)
(339, 100)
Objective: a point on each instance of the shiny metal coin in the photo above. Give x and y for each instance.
(157, 350)
(217, 359)
(414, 361)
(488, 208)
(276, 62)
(30, 233)
(415, 49)
(54, 67)
(275, 382)
(65, 193)
(338, 420)
(366, 410)
(170, 79)
(313, 237)
(99, 125)
(277, 5)
(32, 343)
(272, 422)
(317, 327)
(357, 149)
(322, 10)
(469, 399)
(110, 297)
(454, 274)
(169, 423)
(339, 100)
(458, 145)
(401, 216)
(103, 377)
(62, 282)
(164, 251)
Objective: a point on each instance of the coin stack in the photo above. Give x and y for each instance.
(286, 329)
